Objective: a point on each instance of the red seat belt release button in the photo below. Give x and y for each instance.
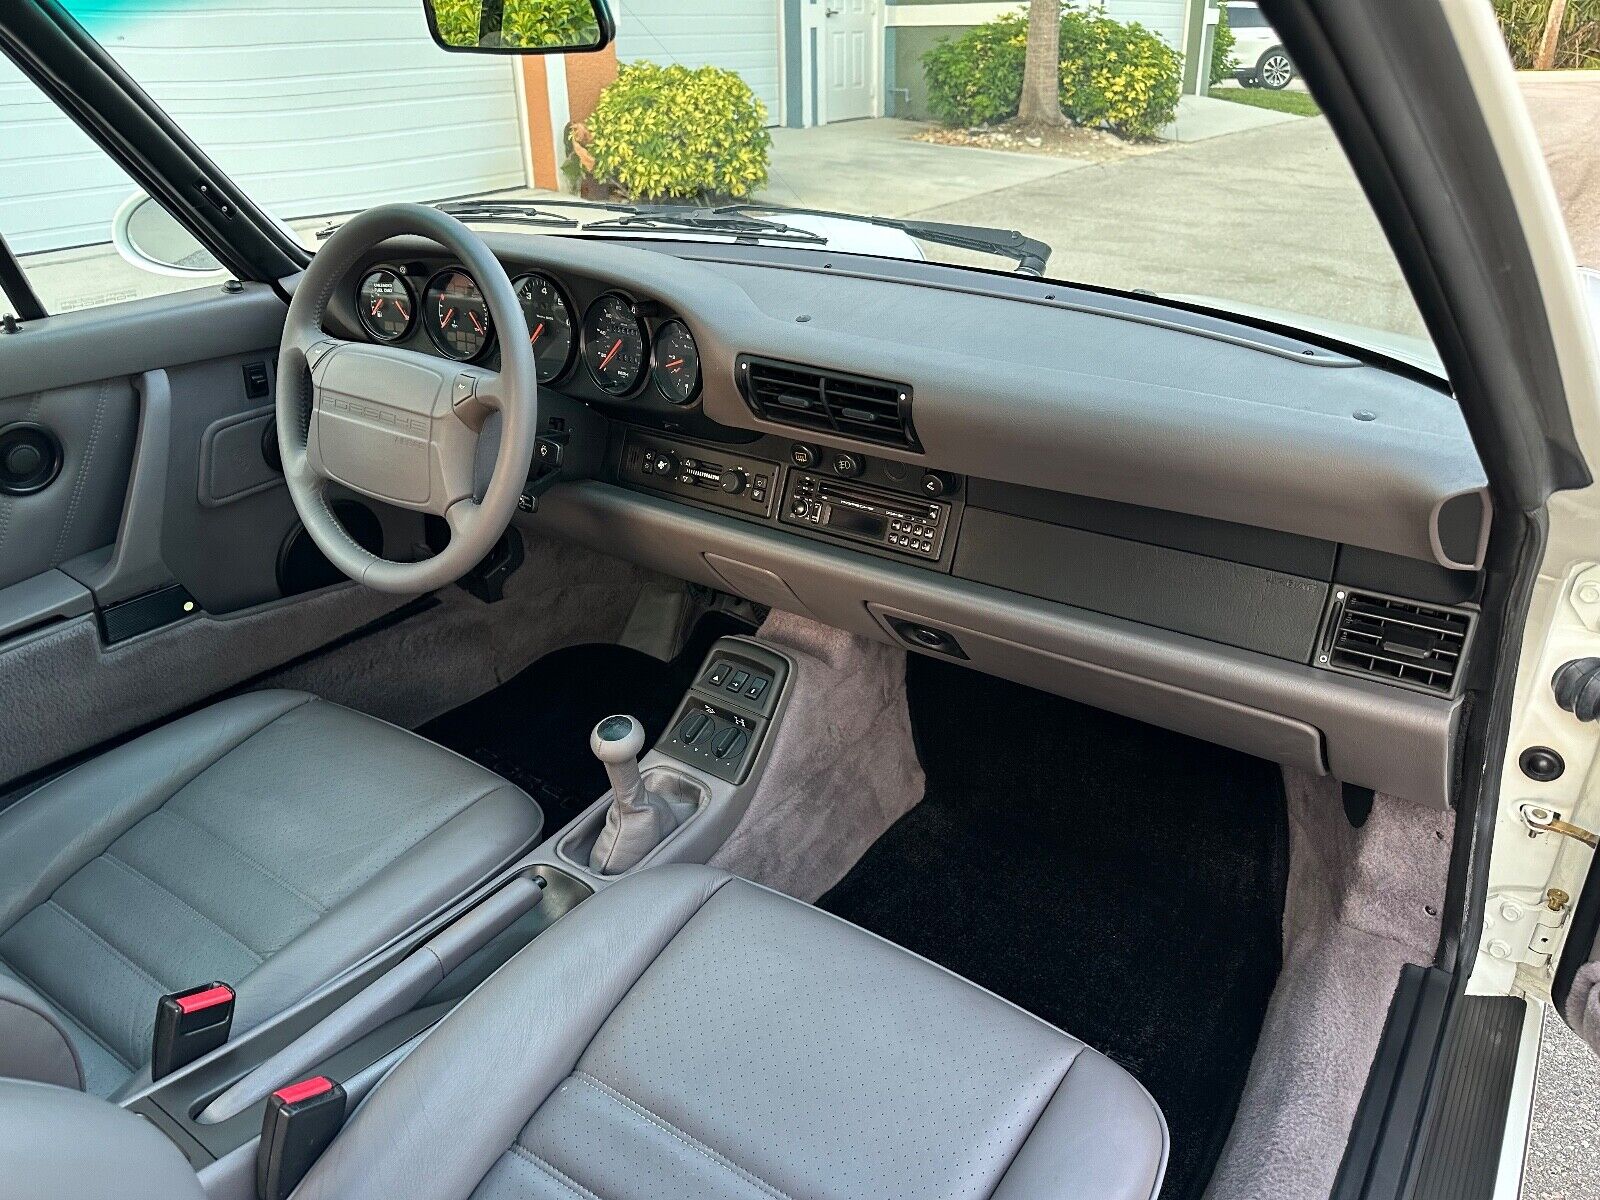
(301, 1119)
(189, 1024)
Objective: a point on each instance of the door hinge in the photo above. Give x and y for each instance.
(1539, 820)
(1522, 927)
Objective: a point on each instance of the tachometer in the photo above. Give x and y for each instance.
(549, 324)
(455, 314)
(676, 367)
(614, 344)
(386, 304)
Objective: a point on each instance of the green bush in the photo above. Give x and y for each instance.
(976, 79)
(1222, 43)
(1116, 75)
(669, 133)
(524, 23)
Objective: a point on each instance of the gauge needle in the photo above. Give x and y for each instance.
(445, 319)
(476, 324)
(674, 363)
(534, 336)
(377, 306)
(404, 315)
(611, 353)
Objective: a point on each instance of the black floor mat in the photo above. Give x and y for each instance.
(534, 728)
(1122, 882)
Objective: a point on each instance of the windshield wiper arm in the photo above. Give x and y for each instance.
(723, 221)
(1030, 254)
(511, 212)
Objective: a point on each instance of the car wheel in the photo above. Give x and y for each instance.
(1274, 71)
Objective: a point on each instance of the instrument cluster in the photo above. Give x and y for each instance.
(625, 344)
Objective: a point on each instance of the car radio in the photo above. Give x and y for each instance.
(865, 514)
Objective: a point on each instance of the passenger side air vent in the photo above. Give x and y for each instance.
(868, 410)
(1399, 641)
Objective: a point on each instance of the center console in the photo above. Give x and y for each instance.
(706, 765)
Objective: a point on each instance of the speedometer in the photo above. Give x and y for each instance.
(455, 314)
(550, 330)
(614, 344)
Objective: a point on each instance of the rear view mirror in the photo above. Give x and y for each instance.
(520, 26)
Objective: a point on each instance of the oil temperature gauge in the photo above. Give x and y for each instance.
(676, 365)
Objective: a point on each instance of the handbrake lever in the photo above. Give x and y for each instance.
(392, 994)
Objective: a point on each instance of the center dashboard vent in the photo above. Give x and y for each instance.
(1398, 641)
(868, 410)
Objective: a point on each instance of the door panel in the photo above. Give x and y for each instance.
(147, 577)
(93, 425)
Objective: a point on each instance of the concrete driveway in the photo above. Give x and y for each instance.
(1269, 217)
(1565, 106)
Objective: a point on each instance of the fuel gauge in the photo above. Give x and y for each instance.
(676, 366)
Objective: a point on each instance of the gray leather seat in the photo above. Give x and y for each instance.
(268, 841)
(688, 1034)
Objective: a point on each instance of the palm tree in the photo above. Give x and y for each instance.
(1041, 72)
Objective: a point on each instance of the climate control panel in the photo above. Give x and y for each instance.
(709, 474)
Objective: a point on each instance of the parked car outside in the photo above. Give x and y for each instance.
(1259, 57)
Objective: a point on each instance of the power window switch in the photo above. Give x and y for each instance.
(740, 678)
(757, 688)
(719, 674)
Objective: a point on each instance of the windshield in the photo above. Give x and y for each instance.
(1166, 153)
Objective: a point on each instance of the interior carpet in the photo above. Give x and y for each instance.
(534, 728)
(1122, 882)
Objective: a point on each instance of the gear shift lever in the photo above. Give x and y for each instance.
(638, 819)
(616, 742)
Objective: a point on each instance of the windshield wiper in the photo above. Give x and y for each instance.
(723, 221)
(511, 212)
(739, 222)
(1030, 254)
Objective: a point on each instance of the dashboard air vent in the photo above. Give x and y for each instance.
(1398, 641)
(868, 410)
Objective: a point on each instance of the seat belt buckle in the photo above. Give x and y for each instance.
(301, 1119)
(189, 1024)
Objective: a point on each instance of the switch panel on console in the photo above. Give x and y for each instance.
(729, 709)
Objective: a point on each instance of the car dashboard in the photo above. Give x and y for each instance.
(1228, 530)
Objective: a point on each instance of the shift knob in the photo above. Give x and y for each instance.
(617, 739)
(616, 742)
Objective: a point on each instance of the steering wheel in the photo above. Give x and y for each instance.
(409, 429)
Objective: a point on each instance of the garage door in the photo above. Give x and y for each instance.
(706, 33)
(1163, 17)
(313, 108)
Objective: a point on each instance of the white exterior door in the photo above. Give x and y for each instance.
(850, 59)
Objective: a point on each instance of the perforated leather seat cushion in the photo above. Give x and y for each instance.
(268, 841)
(688, 1034)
